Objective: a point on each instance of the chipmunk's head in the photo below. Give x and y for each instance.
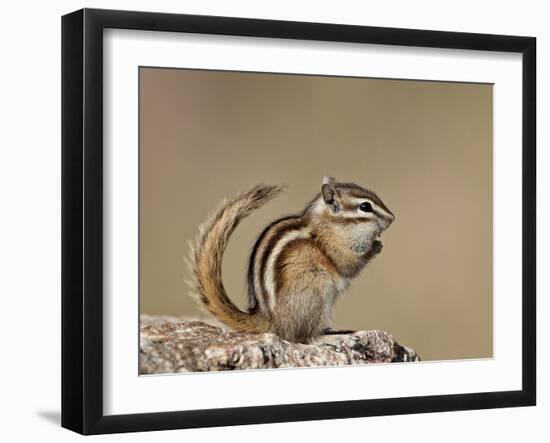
(355, 214)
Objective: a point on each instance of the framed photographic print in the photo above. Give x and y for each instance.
(269, 221)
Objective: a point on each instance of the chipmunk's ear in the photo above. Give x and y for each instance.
(328, 180)
(330, 195)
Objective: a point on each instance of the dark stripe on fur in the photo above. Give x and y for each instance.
(252, 296)
(272, 242)
(350, 220)
(359, 192)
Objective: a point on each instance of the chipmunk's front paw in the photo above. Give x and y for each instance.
(376, 247)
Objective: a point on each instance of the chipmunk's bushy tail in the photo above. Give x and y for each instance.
(206, 258)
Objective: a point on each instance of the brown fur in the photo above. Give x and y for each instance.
(277, 233)
(304, 306)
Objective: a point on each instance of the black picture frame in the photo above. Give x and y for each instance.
(82, 220)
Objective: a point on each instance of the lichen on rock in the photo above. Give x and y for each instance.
(171, 345)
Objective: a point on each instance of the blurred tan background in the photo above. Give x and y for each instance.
(424, 147)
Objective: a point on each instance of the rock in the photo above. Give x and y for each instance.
(171, 345)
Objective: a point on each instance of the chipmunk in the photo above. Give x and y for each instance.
(298, 265)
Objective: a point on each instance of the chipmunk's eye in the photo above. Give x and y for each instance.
(365, 207)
